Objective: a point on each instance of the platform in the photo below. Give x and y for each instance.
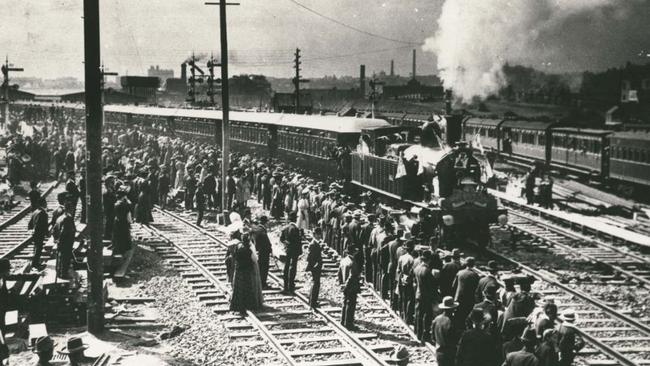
(585, 223)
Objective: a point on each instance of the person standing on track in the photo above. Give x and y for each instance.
(314, 265)
(64, 233)
(38, 223)
(444, 333)
(349, 277)
(290, 237)
(263, 246)
(425, 295)
(465, 283)
(199, 201)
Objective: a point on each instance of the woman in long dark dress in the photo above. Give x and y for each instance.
(245, 294)
(121, 226)
(143, 206)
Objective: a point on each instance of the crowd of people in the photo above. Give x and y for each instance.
(471, 318)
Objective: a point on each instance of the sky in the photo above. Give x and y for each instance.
(46, 36)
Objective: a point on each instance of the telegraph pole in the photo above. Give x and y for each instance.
(225, 105)
(93, 76)
(297, 80)
(5, 88)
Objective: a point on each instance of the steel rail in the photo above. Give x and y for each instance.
(18, 247)
(588, 299)
(356, 343)
(561, 231)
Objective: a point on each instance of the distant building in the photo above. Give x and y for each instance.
(140, 86)
(413, 90)
(635, 84)
(162, 74)
(286, 103)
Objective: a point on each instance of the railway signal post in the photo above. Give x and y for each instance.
(93, 91)
(225, 105)
(5, 88)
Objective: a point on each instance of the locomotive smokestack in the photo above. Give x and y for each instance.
(362, 80)
(413, 64)
(184, 72)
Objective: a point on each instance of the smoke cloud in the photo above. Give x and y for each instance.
(476, 38)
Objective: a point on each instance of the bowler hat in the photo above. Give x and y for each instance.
(493, 266)
(74, 345)
(43, 344)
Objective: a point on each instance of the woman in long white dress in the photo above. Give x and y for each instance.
(303, 211)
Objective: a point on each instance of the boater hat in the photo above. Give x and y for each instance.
(399, 356)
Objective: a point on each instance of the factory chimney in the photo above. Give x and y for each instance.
(392, 68)
(184, 72)
(362, 81)
(413, 64)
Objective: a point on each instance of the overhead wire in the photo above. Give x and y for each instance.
(359, 30)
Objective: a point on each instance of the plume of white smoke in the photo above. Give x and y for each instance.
(475, 38)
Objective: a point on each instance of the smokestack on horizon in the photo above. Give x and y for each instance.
(184, 72)
(414, 65)
(362, 80)
(392, 68)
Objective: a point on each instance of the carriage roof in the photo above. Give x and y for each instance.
(316, 122)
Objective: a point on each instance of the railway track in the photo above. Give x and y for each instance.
(623, 263)
(614, 335)
(14, 237)
(302, 336)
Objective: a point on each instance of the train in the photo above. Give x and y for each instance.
(617, 159)
(329, 146)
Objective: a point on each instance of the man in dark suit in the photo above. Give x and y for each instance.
(448, 273)
(490, 309)
(465, 284)
(263, 246)
(476, 346)
(64, 233)
(38, 223)
(354, 230)
(489, 280)
(349, 276)
(444, 333)
(73, 192)
(425, 295)
(314, 265)
(290, 237)
(210, 187)
(393, 246)
(366, 247)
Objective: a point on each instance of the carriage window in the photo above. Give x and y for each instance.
(637, 155)
(597, 147)
(643, 156)
(541, 139)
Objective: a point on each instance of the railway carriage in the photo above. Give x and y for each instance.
(630, 159)
(581, 150)
(528, 140)
(487, 129)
